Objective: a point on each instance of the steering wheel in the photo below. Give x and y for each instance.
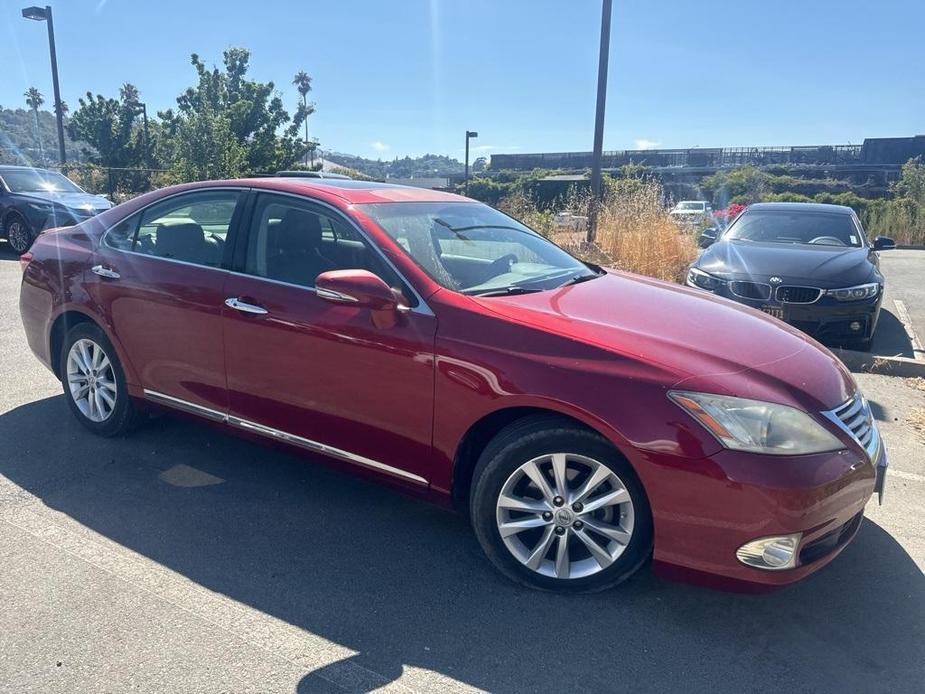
(501, 265)
(827, 240)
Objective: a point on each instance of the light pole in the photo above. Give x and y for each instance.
(603, 60)
(39, 14)
(144, 120)
(469, 135)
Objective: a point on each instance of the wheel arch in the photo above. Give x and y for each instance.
(59, 329)
(487, 427)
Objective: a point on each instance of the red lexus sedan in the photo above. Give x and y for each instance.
(585, 419)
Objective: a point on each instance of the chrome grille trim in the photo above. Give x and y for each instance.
(855, 419)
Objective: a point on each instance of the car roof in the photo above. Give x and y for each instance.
(14, 167)
(800, 207)
(350, 191)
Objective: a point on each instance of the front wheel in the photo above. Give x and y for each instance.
(94, 383)
(555, 507)
(19, 233)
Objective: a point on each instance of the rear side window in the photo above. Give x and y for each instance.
(192, 228)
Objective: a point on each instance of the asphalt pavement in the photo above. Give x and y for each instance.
(185, 559)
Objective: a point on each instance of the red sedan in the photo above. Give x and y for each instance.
(585, 419)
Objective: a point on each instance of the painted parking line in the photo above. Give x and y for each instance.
(903, 314)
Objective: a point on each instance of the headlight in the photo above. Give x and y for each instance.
(757, 426)
(861, 291)
(703, 280)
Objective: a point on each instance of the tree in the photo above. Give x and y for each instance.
(34, 100)
(228, 125)
(304, 84)
(111, 127)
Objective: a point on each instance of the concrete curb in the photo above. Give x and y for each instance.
(865, 362)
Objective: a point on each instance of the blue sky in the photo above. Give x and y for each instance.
(410, 76)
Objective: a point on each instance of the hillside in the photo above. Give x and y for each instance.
(407, 167)
(19, 144)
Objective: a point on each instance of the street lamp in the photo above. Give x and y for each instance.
(144, 117)
(40, 14)
(603, 60)
(469, 135)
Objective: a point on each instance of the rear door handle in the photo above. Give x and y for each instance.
(243, 307)
(106, 272)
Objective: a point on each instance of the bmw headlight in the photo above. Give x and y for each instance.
(703, 280)
(757, 426)
(856, 293)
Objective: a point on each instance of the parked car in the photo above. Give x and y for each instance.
(35, 199)
(585, 419)
(807, 264)
(692, 212)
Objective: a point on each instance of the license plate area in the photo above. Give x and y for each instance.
(776, 311)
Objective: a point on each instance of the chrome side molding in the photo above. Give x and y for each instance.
(270, 432)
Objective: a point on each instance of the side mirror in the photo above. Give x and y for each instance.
(707, 237)
(884, 243)
(357, 288)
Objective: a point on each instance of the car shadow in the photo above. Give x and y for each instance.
(891, 338)
(405, 584)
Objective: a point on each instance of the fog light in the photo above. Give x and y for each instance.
(854, 325)
(772, 553)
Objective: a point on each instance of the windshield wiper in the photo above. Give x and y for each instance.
(512, 290)
(578, 279)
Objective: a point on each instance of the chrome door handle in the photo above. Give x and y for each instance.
(106, 272)
(239, 305)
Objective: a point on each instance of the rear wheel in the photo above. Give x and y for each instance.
(555, 507)
(94, 383)
(18, 233)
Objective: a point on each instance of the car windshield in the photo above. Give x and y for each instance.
(474, 249)
(697, 206)
(816, 228)
(34, 181)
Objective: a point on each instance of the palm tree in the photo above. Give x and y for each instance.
(129, 93)
(304, 84)
(34, 100)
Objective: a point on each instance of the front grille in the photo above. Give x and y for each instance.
(856, 418)
(792, 294)
(751, 290)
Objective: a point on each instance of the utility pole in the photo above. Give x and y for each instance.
(603, 60)
(469, 135)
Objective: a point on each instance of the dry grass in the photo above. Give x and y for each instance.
(917, 383)
(917, 420)
(635, 232)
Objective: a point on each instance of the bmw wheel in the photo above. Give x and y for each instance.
(18, 233)
(555, 507)
(94, 383)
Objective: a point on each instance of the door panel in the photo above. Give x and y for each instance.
(319, 370)
(324, 372)
(165, 306)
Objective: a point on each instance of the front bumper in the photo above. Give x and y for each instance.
(825, 319)
(704, 510)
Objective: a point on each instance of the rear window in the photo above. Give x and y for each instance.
(806, 228)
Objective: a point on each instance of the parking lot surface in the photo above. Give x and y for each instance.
(184, 559)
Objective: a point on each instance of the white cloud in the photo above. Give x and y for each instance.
(379, 146)
(643, 143)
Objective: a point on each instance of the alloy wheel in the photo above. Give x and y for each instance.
(18, 235)
(91, 380)
(565, 515)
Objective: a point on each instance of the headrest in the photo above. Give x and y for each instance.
(179, 240)
(299, 230)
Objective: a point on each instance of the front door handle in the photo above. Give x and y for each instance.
(106, 272)
(243, 307)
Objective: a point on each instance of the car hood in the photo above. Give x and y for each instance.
(819, 266)
(697, 341)
(74, 201)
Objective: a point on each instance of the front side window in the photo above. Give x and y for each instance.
(812, 228)
(192, 228)
(474, 249)
(293, 242)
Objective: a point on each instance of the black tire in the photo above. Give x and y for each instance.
(123, 416)
(18, 233)
(526, 440)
